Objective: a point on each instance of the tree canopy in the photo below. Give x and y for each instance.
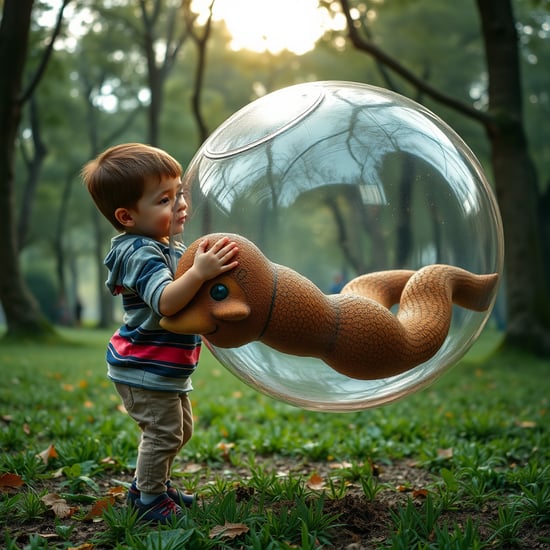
(87, 75)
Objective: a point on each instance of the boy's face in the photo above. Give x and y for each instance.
(155, 215)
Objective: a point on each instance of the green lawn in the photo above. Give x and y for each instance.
(461, 464)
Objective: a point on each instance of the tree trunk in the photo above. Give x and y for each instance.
(528, 298)
(20, 308)
(527, 292)
(34, 166)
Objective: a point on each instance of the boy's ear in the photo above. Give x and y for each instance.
(124, 217)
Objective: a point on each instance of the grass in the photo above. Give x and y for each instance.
(461, 464)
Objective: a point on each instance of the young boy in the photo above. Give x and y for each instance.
(138, 189)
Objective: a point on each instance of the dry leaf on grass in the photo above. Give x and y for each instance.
(8, 482)
(315, 482)
(117, 491)
(58, 506)
(445, 453)
(192, 468)
(228, 530)
(97, 509)
(339, 465)
(225, 449)
(47, 453)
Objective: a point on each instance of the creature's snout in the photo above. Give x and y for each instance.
(209, 309)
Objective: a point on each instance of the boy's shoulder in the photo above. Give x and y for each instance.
(130, 242)
(124, 246)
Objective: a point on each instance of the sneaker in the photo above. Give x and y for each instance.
(180, 498)
(161, 510)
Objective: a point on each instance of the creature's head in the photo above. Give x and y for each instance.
(232, 309)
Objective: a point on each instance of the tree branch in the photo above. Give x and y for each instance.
(381, 56)
(200, 41)
(46, 57)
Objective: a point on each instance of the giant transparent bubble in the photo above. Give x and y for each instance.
(339, 179)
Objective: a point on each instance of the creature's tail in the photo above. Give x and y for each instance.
(427, 300)
(397, 343)
(430, 284)
(436, 287)
(384, 287)
(426, 303)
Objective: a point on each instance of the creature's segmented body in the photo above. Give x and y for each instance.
(354, 332)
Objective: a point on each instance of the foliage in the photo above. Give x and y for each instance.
(93, 84)
(462, 464)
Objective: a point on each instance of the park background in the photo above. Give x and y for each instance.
(79, 76)
(92, 74)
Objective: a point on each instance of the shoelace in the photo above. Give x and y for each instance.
(167, 507)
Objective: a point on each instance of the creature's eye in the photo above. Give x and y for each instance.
(219, 292)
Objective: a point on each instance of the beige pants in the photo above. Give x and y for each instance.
(166, 423)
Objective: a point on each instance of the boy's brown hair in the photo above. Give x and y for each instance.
(116, 178)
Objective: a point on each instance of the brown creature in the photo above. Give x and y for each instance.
(354, 332)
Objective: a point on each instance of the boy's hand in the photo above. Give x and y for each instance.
(210, 262)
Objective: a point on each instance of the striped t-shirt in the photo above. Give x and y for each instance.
(141, 353)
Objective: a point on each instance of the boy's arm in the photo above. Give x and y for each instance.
(208, 263)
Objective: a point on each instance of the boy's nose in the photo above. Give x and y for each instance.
(181, 203)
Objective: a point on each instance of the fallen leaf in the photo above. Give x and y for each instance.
(315, 482)
(58, 473)
(228, 530)
(225, 448)
(420, 493)
(84, 546)
(192, 468)
(10, 481)
(340, 465)
(58, 505)
(47, 453)
(98, 508)
(117, 491)
(445, 453)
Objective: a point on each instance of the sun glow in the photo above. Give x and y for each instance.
(270, 25)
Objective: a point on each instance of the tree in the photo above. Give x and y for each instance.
(103, 129)
(200, 39)
(528, 297)
(160, 61)
(23, 315)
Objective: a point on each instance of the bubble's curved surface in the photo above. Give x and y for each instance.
(338, 179)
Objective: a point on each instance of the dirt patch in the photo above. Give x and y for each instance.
(363, 523)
